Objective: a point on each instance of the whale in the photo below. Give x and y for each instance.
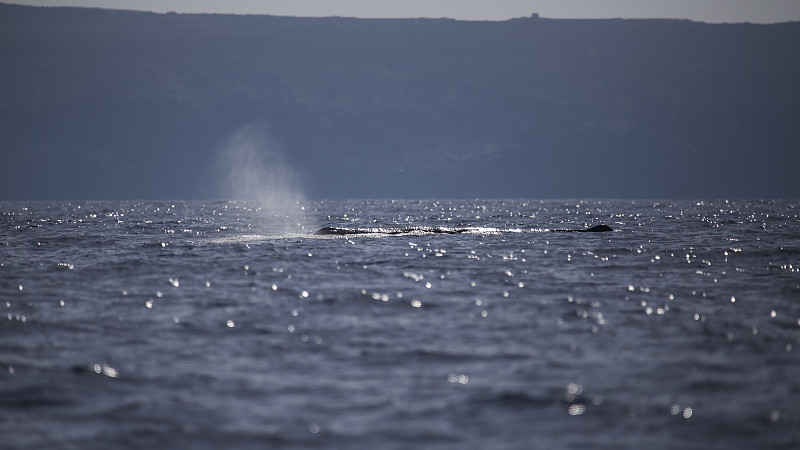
(595, 229)
(338, 231)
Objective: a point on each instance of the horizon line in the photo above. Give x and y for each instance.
(532, 16)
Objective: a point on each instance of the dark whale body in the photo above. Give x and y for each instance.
(334, 231)
(594, 229)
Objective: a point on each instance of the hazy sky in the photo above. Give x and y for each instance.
(760, 11)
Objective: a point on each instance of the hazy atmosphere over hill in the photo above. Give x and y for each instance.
(762, 11)
(127, 105)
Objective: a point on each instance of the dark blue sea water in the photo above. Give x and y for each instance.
(229, 324)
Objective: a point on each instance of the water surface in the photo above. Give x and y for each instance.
(201, 325)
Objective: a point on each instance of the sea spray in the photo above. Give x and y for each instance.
(256, 173)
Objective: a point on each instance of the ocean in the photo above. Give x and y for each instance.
(222, 324)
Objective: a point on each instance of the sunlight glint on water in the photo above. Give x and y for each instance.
(153, 324)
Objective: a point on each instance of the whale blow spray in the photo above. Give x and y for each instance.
(259, 177)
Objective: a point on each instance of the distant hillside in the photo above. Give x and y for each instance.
(111, 104)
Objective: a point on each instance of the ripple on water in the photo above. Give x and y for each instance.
(183, 317)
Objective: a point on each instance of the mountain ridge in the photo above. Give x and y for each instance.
(138, 105)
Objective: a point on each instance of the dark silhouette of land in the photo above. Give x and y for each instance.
(112, 104)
